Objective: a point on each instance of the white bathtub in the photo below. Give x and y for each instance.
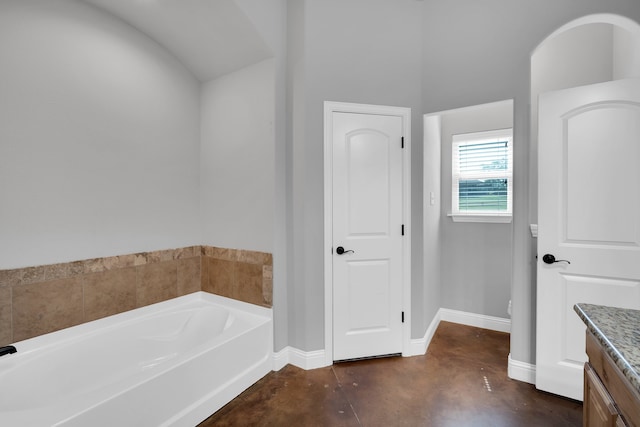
(169, 364)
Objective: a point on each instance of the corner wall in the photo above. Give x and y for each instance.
(428, 307)
(237, 160)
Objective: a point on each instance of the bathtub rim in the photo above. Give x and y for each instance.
(50, 340)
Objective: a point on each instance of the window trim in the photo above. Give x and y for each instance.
(491, 218)
(477, 215)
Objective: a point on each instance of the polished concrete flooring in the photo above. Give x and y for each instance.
(461, 381)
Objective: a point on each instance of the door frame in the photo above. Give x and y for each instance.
(331, 107)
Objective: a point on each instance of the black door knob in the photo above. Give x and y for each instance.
(340, 250)
(550, 259)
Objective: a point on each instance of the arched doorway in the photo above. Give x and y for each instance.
(585, 101)
(588, 50)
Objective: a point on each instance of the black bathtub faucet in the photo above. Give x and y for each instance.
(9, 349)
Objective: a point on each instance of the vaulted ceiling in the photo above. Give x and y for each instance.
(210, 37)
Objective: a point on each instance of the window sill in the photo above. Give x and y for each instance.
(491, 218)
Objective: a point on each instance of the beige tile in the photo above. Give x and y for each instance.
(267, 285)
(154, 256)
(5, 296)
(125, 261)
(45, 307)
(188, 252)
(223, 253)
(248, 285)
(6, 331)
(253, 257)
(167, 254)
(140, 259)
(95, 265)
(222, 276)
(64, 270)
(58, 271)
(204, 272)
(208, 251)
(76, 268)
(98, 265)
(188, 275)
(112, 262)
(33, 275)
(10, 277)
(156, 282)
(161, 255)
(109, 292)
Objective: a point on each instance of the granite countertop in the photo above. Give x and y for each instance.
(618, 330)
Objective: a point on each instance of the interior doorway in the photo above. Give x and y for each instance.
(584, 55)
(367, 230)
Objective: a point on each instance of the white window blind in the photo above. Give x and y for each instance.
(482, 173)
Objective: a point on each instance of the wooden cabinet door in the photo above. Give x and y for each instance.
(598, 409)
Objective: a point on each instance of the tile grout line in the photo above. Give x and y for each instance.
(345, 395)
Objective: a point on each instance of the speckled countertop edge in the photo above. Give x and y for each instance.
(618, 330)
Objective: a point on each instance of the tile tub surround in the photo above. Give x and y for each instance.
(42, 299)
(618, 331)
(243, 275)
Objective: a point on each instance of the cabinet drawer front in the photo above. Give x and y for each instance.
(627, 400)
(599, 409)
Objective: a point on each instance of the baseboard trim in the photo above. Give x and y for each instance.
(316, 359)
(521, 371)
(419, 346)
(302, 359)
(281, 358)
(492, 323)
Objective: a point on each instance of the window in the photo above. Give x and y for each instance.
(482, 176)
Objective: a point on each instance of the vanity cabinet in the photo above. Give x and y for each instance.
(609, 398)
(599, 408)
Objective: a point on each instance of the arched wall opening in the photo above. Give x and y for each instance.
(588, 50)
(592, 49)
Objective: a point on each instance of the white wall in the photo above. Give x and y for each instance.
(578, 57)
(99, 135)
(362, 51)
(426, 307)
(476, 257)
(270, 18)
(237, 159)
(626, 54)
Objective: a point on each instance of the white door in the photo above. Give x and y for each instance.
(589, 215)
(367, 226)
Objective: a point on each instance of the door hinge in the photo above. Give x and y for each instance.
(403, 229)
(403, 317)
(402, 142)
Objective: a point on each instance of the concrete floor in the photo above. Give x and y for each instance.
(461, 381)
